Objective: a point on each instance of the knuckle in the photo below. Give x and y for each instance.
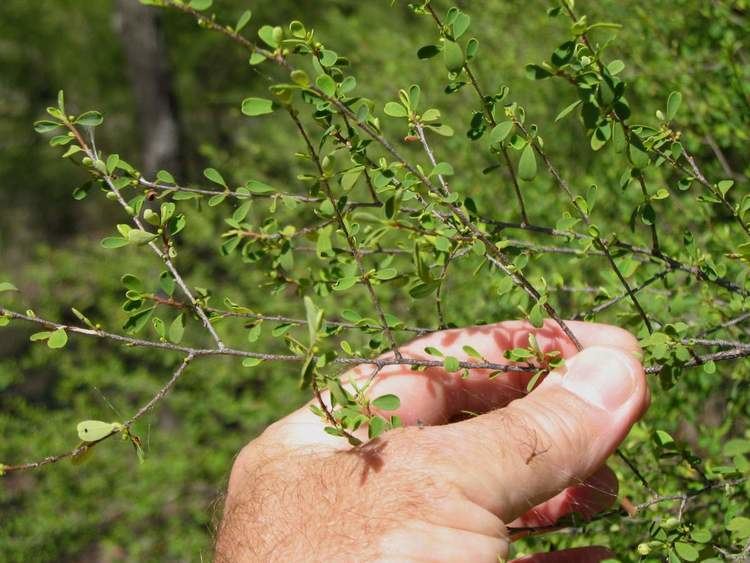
(538, 428)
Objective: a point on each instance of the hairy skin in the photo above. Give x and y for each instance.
(332, 502)
(444, 492)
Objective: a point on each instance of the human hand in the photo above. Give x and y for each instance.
(439, 490)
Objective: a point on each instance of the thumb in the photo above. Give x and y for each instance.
(555, 437)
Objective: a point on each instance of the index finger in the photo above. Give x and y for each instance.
(435, 396)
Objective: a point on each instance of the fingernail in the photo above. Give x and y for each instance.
(601, 376)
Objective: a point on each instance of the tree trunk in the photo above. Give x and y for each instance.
(152, 87)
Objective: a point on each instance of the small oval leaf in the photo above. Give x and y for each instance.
(527, 164)
(387, 402)
(256, 106)
(95, 430)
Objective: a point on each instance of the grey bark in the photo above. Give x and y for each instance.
(149, 73)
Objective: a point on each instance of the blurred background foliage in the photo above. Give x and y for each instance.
(112, 508)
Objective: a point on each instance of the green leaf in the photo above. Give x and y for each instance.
(701, 536)
(132, 283)
(300, 77)
(214, 175)
(323, 245)
(254, 333)
(345, 283)
(89, 119)
(533, 381)
(95, 430)
(673, 104)
(201, 5)
(740, 527)
(536, 72)
(139, 237)
(241, 212)
(562, 55)
(46, 126)
(80, 192)
(348, 85)
(394, 109)
(616, 67)
(453, 56)
(413, 96)
(471, 49)
(663, 439)
(176, 329)
(306, 372)
(83, 318)
(37, 336)
(471, 352)
(386, 273)
(258, 187)
(326, 85)
(167, 283)
(243, 21)
(500, 132)
(297, 29)
(215, 200)
(451, 364)
(75, 149)
(266, 33)
(138, 320)
(387, 402)
(442, 244)
(112, 162)
(460, 25)
(442, 169)
(166, 177)
(338, 393)
(159, 327)
(350, 177)
(256, 58)
(328, 58)
(527, 164)
(60, 140)
(251, 362)
(567, 110)
(256, 106)
(423, 290)
(314, 320)
(686, 551)
(724, 186)
(58, 339)
(428, 51)
(7, 286)
(376, 427)
(432, 351)
(639, 158)
(114, 242)
(442, 130)
(736, 446)
(536, 315)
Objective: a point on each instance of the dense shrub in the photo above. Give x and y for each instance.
(365, 184)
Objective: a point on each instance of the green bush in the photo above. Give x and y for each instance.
(325, 218)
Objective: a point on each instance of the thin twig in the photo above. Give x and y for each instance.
(152, 245)
(347, 235)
